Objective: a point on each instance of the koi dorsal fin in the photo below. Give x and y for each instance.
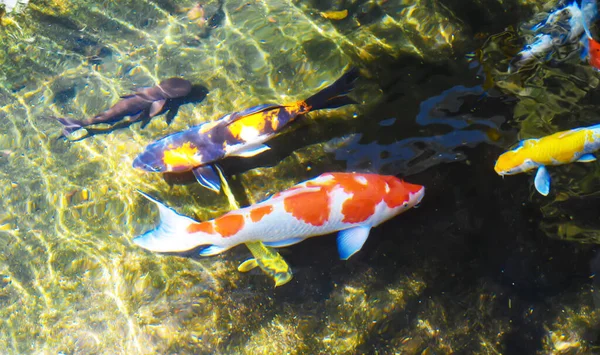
(250, 111)
(292, 191)
(571, 131)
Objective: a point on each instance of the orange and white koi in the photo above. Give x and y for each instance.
(575, 145)
(350, 203)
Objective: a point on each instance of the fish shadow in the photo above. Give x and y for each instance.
(197, 94)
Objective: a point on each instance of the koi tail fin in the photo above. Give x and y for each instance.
(70, 125)
(589, 10)
(585, 47)
(335, 95)
(591, 47)
(171, 234)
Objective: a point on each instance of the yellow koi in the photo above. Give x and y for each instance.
(576, 145)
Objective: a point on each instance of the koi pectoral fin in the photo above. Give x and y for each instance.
(248, 265)
(157, 107)
(586, 158)
(542, 181)
(143, 117)
(350, 241)
(284, 243)
(282, 277)
(70, 125)
(208, 177)
(212, 250)
(269, 261)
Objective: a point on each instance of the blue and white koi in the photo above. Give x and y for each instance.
(242, 134)
(350, 203)
(575, 145)
(578, 24)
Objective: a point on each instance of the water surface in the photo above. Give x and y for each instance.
(484, 266)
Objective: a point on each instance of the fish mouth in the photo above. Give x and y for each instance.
(139, 164)
(415, 198)
(501, 172)
(504, 173)
(420, 194)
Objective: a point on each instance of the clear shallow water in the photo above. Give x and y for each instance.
(483, 266)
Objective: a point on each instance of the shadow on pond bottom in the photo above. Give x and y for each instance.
(469, 271)
(486, 271)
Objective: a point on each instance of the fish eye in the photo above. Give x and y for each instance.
(405, 205)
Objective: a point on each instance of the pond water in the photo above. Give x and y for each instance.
(485, 265)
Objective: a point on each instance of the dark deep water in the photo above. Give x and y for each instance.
(475, 235)
(484, 265)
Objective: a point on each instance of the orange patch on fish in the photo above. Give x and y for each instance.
(297, 108)
(204, 227)
(594, 53)
(309, 207)
(229, 224)
(270, 115)
(255, 120)
(258, 213)
(367, 192)
(181, 156)
(399, 192)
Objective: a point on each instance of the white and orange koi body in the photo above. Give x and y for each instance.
(351, 203)
(575, 145)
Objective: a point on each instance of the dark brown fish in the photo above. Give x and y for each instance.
(142, 105)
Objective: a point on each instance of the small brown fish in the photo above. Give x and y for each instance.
(196, 12)
(142, 105)
(197, 15)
